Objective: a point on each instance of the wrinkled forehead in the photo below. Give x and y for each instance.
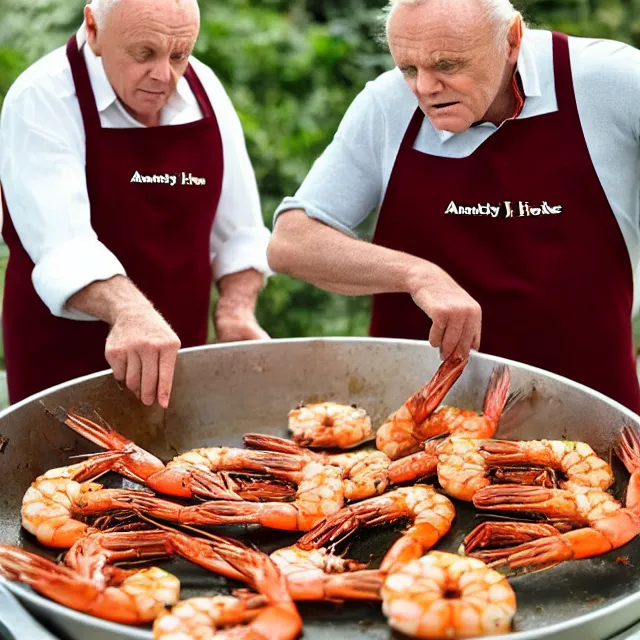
(438, 29)
(160, 21)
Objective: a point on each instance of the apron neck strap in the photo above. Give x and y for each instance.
(563, 78)
(199, 92)
(84, 92)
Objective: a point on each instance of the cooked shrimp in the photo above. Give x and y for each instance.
(464, 465)
(491, 535)
(609, 524)
(317, 574)
(329, 425)
(49, 504)
(138, 599)
(431, 514)
(577, 460)
(455, 459)
(201, 618)
(403, 432)
(201, 472)
(467, 423)
(94, 554)
(462, 470)
(320, 493)
(310, 575)
(443, 595)
(365, 472)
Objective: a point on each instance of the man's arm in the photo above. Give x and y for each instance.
(315, 233)
(76, 276)
(310, 250)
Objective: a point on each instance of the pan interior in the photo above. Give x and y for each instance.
(220, 394)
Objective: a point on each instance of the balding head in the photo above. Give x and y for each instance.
(457, 57)
(145, 47)
(500, 13)
(100, 8)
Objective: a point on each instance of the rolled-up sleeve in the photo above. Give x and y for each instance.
(345, 183)
(239, 236)
(43, 179)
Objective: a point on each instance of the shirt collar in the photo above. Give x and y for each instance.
(527, 70)
(103, 91)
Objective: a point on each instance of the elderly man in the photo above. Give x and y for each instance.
(502, 167)
(128, 190)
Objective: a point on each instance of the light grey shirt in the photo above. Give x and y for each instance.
(348, 181)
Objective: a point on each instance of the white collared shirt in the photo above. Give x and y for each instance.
(42, 171)
(348, 181)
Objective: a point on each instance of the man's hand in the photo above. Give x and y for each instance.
(142, 350)
(456, 316)
(234, 317)
(141, 347)
(233, 324)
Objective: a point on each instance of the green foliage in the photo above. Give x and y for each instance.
(291, 68)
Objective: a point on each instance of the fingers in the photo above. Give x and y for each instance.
(142, 350)
(454, 338)
(134, 369)
(149, 376)
(456, 326)
(437, 333)
(167, 364)
(465, 340)
(118, 362)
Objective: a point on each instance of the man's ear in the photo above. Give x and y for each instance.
(92, 30)
(514, 39)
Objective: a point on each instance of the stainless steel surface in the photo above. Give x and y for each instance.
(224, 391)
(17, 621)
(629, 634)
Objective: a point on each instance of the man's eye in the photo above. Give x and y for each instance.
(142, 55)
(408, 72)
(447, 66)
(179, 57)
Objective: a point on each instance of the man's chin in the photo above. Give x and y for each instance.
(449, 124)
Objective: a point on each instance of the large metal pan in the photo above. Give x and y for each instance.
(224, 391)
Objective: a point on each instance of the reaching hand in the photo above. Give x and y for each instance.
(142, 350)
(456, 316)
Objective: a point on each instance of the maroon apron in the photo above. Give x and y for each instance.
(159, 232)
(548, 264)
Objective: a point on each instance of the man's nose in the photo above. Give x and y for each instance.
(428, 84)
(161, 70)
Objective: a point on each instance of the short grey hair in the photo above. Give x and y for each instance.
(101, 8)
(501, 12)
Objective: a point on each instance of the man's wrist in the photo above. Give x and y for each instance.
(418, 275)
(240, 290)
(110, 299)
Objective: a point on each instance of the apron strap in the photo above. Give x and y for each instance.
(563, 78)
(412, 130)
(86, 99)
(198, 91)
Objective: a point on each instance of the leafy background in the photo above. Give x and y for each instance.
(291, 68)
